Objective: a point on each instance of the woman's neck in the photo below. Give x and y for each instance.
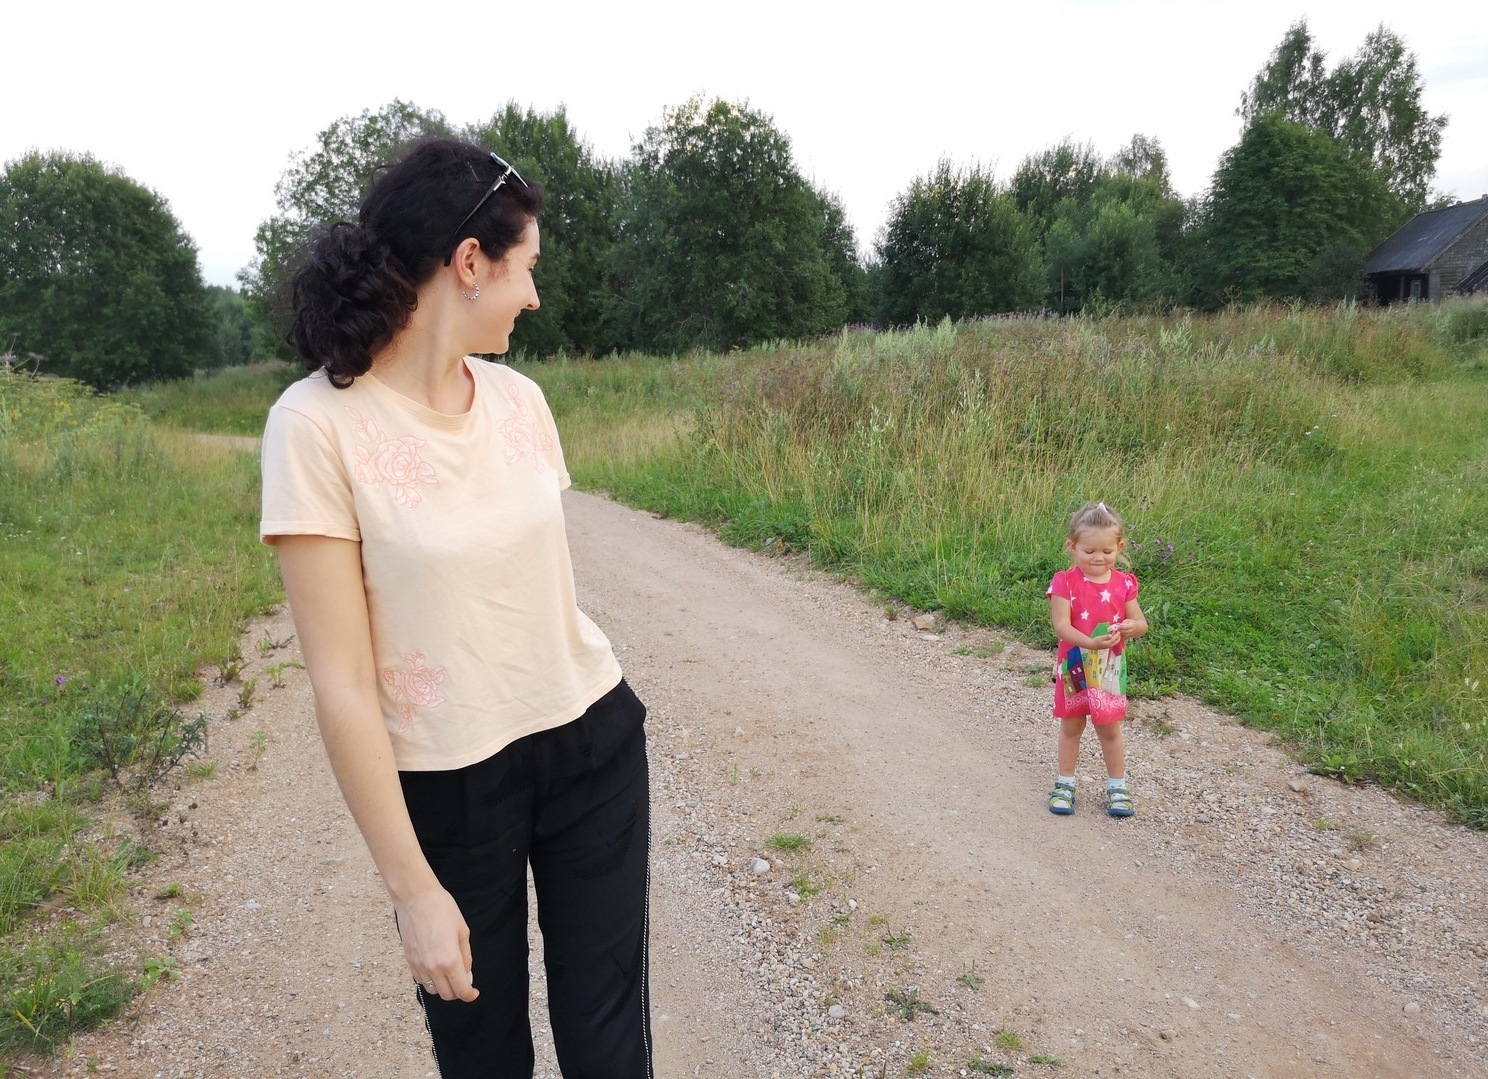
(424, 364)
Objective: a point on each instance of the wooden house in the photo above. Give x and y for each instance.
(1433, 255)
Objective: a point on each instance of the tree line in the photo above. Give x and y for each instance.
(709, 236)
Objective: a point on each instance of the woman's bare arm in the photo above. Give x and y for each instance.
(323, 578)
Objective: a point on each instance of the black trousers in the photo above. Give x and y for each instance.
(572, 801)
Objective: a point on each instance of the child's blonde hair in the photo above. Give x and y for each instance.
(1095, 515)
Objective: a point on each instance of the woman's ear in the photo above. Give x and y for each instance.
(467, 261)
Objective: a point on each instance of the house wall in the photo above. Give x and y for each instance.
(1460, 259)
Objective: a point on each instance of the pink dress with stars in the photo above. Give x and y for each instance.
(1088, 682)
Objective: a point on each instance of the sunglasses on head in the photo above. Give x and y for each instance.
(506, 169)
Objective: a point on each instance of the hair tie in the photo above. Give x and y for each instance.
(1102, 507)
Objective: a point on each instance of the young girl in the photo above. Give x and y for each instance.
(1095, 612)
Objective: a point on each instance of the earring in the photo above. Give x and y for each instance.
(469, 297)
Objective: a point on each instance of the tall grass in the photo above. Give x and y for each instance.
(130, 561)
(233, 401)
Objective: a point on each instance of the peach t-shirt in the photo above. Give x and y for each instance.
(476, 631)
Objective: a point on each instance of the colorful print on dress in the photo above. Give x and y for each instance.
(1094, 681)
(414, 687)
(524, 438)
(390, 460)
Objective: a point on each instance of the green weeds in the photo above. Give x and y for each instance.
(988, 1067)
(231, 665)
(155, 969)
(276, 672)
(55, 993)
(135, 735)
(907, 1003)
(981, 652)
(180, 924)
(95, 882)
(258, 745)
(801, 884)
(788, 843)
(200, 771)
(268, 645)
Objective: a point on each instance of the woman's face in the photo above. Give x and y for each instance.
(511, 290)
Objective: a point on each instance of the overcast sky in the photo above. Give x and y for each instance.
(205, 102)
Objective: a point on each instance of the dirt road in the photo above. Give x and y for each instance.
(920, 909)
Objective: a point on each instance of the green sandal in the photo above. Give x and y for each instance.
(1119, 802)
(1062, 799)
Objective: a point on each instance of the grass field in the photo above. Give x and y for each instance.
(130, 561)
(1305, 489)
(229, 402)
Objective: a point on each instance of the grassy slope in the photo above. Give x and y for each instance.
(130, 562)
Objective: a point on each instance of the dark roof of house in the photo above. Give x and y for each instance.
(1477, 281)
(1418, 242)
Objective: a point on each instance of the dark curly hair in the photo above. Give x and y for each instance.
(358, 282)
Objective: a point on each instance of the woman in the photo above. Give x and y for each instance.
(475, 719)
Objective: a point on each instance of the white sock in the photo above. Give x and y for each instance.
(1115, 784)
(1068, 781)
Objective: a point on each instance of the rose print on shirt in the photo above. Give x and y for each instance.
(414, 687)
(394, 461)
(523, 437)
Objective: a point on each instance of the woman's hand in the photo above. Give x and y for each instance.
(436, 943)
